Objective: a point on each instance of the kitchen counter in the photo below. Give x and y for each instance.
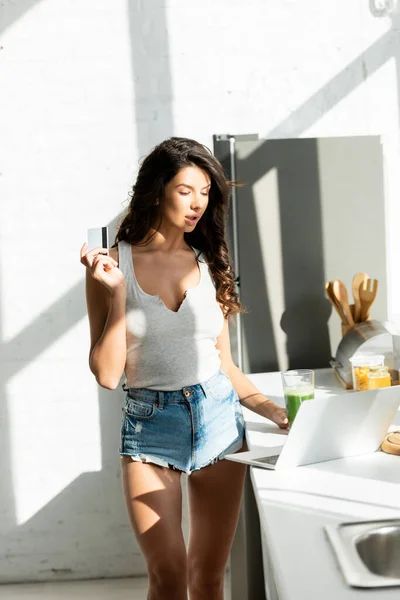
(294, 506)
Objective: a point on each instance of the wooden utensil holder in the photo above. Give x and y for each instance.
(346, 328)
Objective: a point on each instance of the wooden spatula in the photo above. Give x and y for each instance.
(367, 291)
(340, 293)
(335, 304)
(355, 287)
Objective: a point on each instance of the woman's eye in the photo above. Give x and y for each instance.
(184, 193)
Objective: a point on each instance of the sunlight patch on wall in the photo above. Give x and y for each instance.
(54, 431)
(266, 199)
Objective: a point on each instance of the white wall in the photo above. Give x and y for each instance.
(88, 88)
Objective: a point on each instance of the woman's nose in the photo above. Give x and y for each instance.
(198, 201)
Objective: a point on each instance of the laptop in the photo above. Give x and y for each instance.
(338, 426)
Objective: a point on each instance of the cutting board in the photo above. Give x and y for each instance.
(391, 443)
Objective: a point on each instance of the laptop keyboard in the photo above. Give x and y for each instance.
(271, 460)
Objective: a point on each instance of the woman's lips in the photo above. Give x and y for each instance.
(191, 220)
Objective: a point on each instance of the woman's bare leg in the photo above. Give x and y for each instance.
(153, 497)
(214, 494)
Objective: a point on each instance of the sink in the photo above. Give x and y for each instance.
(379, 549)
(368, 552)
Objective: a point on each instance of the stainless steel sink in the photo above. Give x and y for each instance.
(368, 552)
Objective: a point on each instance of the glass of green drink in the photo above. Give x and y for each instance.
(298, 385)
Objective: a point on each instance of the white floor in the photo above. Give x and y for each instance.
(134, 588)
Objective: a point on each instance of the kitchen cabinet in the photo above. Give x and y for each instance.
(295, 505)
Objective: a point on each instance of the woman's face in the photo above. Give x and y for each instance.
(186, 198)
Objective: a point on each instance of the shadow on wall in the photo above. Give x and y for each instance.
(151, 73)
(84, 531)
(10, 12)
(306, 314)
(306, 310)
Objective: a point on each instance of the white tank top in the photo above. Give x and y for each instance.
(168, 350)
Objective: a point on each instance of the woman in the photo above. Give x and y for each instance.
(158, 306)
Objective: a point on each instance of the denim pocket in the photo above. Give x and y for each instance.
(139, 409)
(219, 387)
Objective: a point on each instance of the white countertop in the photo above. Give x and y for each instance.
(295, 505)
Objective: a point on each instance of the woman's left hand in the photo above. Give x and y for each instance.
(276, 414)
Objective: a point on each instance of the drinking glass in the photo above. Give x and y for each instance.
(298, 385)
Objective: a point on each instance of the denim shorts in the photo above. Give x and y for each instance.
(185, 429)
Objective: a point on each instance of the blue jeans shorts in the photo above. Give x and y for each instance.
(185, 429)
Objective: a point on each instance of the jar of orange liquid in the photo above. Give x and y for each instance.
(378, 377)
(361, 366)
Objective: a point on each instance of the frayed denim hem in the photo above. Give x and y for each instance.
(233, 447)
(155, 460)
(161, 462)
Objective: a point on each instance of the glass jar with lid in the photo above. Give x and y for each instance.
(378, 377)
(361, 365)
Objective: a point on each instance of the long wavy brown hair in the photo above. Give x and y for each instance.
(209, 236)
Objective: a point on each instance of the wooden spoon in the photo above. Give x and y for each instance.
(340, 292)
(367, 291)
(355, 287)
(335, 304)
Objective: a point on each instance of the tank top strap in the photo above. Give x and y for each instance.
(207, 277)
(200, 256)
(201, 260)
(125, 261)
